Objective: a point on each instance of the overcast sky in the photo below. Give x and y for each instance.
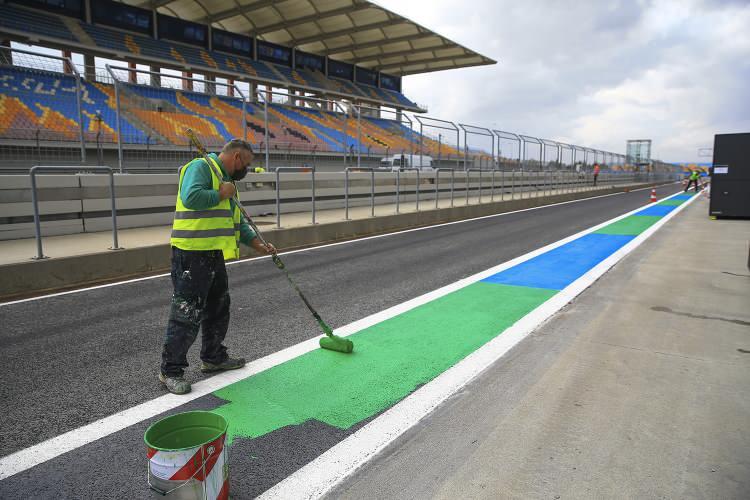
(594, 73)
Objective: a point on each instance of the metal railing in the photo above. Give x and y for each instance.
(437, 183)
(468, 183)
(372, 187)
(417, 185)
(278, 190)
(556, 182)
(35, 201)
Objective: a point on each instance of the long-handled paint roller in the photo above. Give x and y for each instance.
(330, 341)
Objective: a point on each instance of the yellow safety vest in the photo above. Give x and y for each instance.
(259, 170)
(217, 228)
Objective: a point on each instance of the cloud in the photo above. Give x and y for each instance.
(594, 73)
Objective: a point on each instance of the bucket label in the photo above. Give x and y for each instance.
(173, 465)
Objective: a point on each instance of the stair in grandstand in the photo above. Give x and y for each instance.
(279, 114)
(277, 72)
(260, 130)
(376, 140)
(132, 107)
(75, 28)
(314, 120)
(299, 135)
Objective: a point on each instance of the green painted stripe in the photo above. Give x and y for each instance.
(633, 225)
(390, 360)
(672, 202)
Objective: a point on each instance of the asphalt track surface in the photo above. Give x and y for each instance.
(72, 359)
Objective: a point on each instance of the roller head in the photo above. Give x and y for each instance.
(336, 343)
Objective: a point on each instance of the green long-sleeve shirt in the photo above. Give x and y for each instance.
(197, 192)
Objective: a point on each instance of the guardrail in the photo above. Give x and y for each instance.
(278, 189)
(437, 183)
(41, 168)
(81, 203)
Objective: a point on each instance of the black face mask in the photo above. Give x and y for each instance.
(238, 175)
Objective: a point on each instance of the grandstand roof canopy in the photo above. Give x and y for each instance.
(353, 31)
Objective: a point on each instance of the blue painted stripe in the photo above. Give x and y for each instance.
(658, 210)
(682, 197)
(563, 265)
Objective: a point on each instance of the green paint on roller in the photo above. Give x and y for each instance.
(672, 202)
(633, 225)
(392, 359)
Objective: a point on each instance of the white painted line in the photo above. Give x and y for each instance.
(309, 249)
(29, 457)
(328, 470)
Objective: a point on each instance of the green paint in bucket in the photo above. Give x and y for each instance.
(187, 456)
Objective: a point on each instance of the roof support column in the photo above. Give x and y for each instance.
(210, 84)
(132, 75)
(66, 69)
(89, 69)
(187, 84)
(155, 76)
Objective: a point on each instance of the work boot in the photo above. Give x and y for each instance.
(228, 364)
(175, 385)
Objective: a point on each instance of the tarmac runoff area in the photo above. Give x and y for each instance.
(290, 407)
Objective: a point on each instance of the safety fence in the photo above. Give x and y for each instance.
(133, 120)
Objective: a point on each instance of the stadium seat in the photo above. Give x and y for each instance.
(36, 103)
(34, 21)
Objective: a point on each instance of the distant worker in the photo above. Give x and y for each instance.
(695, 176)
(207, 230)
(259, 170)
(596, 172)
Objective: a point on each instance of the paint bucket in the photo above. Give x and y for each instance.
(186, 456)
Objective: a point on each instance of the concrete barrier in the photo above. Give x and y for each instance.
(34, 277)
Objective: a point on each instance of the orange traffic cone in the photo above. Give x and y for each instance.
(653, 195)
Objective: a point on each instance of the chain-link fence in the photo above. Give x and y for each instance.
(41, 110)
(151, 120)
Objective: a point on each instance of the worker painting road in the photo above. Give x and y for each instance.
(207, 230)
(284, 416)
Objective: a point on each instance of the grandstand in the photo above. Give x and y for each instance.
(314, 76)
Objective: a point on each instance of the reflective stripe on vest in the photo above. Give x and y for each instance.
(216, 228)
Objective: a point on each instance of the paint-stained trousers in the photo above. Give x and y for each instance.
(200, 301)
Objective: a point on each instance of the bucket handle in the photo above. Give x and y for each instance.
(186, 481)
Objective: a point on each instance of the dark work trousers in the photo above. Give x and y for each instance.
(595, 177)
(690, 182)
(200, 300)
